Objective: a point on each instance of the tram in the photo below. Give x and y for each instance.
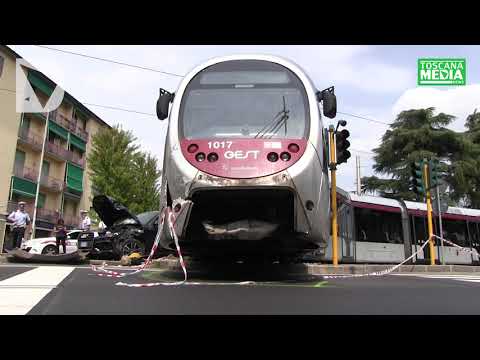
(245, 163)
(379, 230)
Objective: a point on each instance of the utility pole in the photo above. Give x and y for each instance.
(359, 185)
(333, 170)
(429, 212)
(39, 178)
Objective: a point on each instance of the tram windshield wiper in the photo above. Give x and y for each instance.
(275, 124)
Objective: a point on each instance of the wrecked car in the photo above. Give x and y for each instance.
(125, 233)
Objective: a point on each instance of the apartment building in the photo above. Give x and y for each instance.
(64, 136)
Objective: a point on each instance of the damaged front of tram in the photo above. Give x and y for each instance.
(245, 164)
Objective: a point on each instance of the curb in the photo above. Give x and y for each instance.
(312, 269)
(4, 259)
(323, 269)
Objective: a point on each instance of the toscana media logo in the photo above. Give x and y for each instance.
(442, 72)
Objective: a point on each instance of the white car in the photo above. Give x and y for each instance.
(48, 245)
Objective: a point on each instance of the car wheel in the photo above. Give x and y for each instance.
(128, 245)
(49, 250)
(131, 246)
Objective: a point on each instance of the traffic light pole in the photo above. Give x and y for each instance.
(429, 214)
(333, 170)
(440, 224)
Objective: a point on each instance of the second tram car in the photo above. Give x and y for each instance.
(245, 161)
(379, 230)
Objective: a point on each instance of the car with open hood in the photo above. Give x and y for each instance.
(125, 232)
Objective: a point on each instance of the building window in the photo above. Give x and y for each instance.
(2, 60)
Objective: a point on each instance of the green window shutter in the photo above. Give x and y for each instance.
(74, 178)
(78, 143)
(24, 187)
(36, 81)
(41, 200)
(57, 129)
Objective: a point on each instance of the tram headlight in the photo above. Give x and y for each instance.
(272, 157)
(212, 157)
(192, 148)
(285, 156)
(200, 157)
(293, 148)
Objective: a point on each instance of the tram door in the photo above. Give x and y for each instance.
(419, 231)
(346, 232)
(474, 233)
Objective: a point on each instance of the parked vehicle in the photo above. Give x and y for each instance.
(47, 245)
(125, 234)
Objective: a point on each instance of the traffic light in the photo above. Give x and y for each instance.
(433, 173)
(342, 146)
(417, 180)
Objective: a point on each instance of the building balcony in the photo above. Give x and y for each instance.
(26, 173)
(60, 120)
(30, 139)
(72, 221)
(48, 215)
(52, 184)
(77, 159)
(69, 125)
(41, 116)
(57, 151)
(82, 134)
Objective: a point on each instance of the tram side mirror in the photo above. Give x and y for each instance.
(329, 102)
(163, 102)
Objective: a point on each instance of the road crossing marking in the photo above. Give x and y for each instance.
(466, 278)
(20, 293)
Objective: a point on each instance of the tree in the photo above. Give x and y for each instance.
(467, 172)
(147, 187)
(119, 170)
(416, 134)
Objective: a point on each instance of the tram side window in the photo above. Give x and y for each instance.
(378, 226)
(456, 231)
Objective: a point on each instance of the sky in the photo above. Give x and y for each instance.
(376, 82)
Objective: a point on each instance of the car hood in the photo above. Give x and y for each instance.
(38, 240)
(110, 211)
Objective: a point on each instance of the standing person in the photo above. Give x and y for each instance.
(21, 220)
(61, 235)
(86, 222)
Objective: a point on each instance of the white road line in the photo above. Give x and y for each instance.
(20, 293)
(468, 278)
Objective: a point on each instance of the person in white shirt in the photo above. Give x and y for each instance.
(86, 222)
(20, 220)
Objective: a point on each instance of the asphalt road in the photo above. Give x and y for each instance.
(77, 290)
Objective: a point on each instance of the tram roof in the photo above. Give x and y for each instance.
(410, 205)
(375, 200)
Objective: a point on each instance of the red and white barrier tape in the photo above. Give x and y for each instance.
(474, 252)
(171, 222)
(377, 273)
(109, 273)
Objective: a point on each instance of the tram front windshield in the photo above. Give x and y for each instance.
(244, 99)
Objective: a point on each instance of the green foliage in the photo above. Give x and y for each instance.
(417, 134)
(118, 169)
